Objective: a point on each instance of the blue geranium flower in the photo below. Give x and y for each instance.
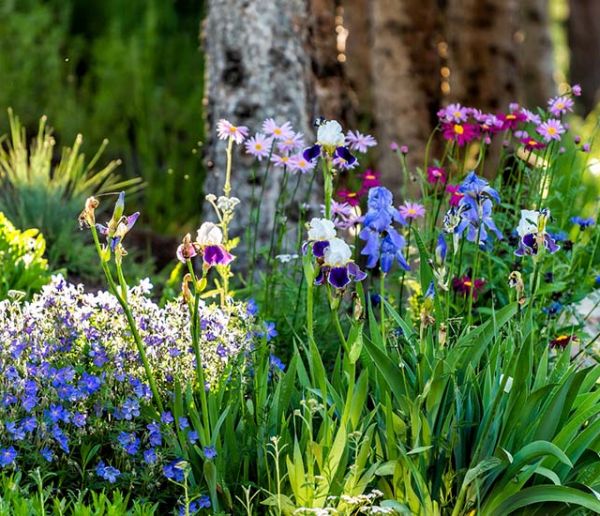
(107, 472)
(150, 456)
(7, 456)
(276, 363)
(582, 222)
(209, 452)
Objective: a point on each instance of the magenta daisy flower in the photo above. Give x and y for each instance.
(560, 105)
(436, 175)
(370, 178)
(412, 210)
(298, 163)
(292, 143)
(226, 130)
(551, 129)
(360, 142)
(258, 146)
(348, 196)
(460, 133)
(277, 131)
(511, 120)
(532, 144)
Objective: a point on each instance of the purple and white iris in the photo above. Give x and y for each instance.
(331, 142)
(533, 235)
(338, 269)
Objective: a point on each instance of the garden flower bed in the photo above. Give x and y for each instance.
(413, 352)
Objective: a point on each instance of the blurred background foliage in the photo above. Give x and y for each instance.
(128, 71)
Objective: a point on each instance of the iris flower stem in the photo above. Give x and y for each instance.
(131, 322)
(403, 271)
(382, 305)
(327, 186)
(474, 276)
(196, 346)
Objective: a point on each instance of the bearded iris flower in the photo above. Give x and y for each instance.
(119, 225)
(338, 269)
(383, 243)
(209, 242)
(330, 141)
(533, 235)
(320, 233)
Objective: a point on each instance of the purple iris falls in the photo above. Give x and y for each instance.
(528, 245)
(340, 152)
(339, 277)
(319, 247)
(216, 255)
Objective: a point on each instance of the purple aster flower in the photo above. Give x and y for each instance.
(576, 90)
(291, 143)
(412, 210)
(258, 146)
(226, 130)
(453, 113)
(7, 456)
(277, 131)
(359, 142)
(560, 105)
(281, 161)
(582, 222)
(298, 163)
(551, 129)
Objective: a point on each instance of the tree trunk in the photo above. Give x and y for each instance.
(536, 60)
(483, 57)
(405, 78)
(584, 43)
(257, 66)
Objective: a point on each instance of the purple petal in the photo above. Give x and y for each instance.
(355, 272)
(216, 255)
(312, 152)
(319, 248)
(345, 154)
(338, 277)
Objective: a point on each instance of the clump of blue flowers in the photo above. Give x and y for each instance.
(383, 243)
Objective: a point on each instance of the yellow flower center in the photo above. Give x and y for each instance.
(457, 114)
(562, 338)
(560, 105)
(551, 130)
(511, 117)
(412, 211)
(459, 129)
(277, 131)
(468, 283)
(258, 146)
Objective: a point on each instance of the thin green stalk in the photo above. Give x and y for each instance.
(130, 320)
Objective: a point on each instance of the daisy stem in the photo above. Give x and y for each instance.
(227, 186)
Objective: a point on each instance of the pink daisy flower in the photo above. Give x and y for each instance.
(360, 142)
(560, 105)
(460, 133)
(298, 163)
(279, 132)
(226, 130)
(292, 143)
(455, 195)
(412, 210)
(576, 90)
(551, 129)
(532, 117)
(282, 161)
(258, 146)
(436, 175)
(453, 113)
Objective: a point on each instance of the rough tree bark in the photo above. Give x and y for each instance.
(405, 68)
(584, 43)
(536, 60)
(482, 52)
(266, 58)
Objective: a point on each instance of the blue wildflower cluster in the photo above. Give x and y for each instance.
(70, 373)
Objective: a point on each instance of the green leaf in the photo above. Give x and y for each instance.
(545, 494)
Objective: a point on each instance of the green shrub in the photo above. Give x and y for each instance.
(22, 263)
